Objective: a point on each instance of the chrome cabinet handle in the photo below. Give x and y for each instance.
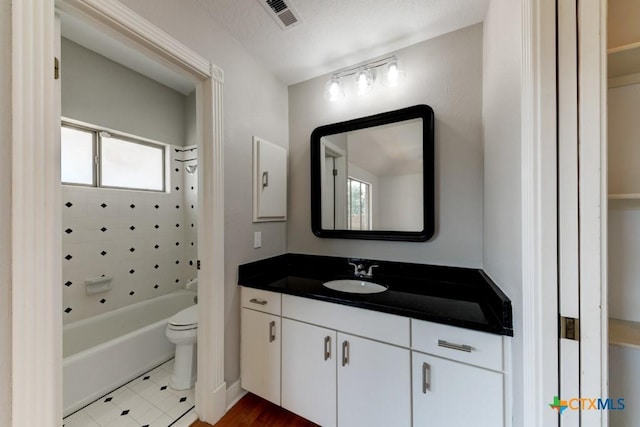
(258, 301)
(327, 347)
(345, 353)
(426, 377)
(459, 347)
(272, 331)
(265, 179)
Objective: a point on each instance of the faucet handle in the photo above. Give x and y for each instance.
(357, 268)
(370, 271)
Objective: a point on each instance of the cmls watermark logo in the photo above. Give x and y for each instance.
(587, 404)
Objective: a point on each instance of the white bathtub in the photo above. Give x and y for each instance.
(103, 352)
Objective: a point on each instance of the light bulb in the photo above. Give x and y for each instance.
(364, 81)
(333, 90)
(393, 74)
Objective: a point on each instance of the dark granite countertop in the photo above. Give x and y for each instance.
(455, 296)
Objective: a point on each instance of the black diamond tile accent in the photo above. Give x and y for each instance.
(132, 249)
(103, 253)
(177, 188)
(191, 243)
(103, 229)
(177, 262)
(191, 206)
(146, 425)
(156, 206)
(177, 225)
(132, 206)
(68, 231)
(177, 243)
(68, 283)
(132, 271)
(155, 286)
(125, 412)
(68, 204)
(146, 378)
(68, 257)
(156, 226)
(177, 206)
(102, 301)
(191, 225)
(192, 187)
(104, 205)
(131, 293)
(156, 266)
(190, 262)
(156, 246)
(132, 228)
(164, 387)
(68, 310)
(108, 399)
(183, 399)
(177, 170)
(177, 280)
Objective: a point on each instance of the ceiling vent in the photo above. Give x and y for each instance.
(282, 12)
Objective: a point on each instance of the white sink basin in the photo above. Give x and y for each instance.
(355, 286)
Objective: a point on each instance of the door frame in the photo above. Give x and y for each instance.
(36, 203)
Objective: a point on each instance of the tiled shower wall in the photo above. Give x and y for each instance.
(146, 241)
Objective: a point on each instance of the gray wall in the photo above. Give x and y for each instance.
(445, 73)
(502, 167)
(255, 103)
(5, 212)
(99, 91)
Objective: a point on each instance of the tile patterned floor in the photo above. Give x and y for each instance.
(147, 401)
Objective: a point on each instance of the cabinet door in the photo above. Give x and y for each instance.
(447, 393)
(374, 383)
(270, 181)
(309, 371)
(260, 354)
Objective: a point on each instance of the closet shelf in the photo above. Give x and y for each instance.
(624, 196)
(624, 333)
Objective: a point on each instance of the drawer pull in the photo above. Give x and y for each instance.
(327, 347)
(345, 353)
(272, 331)
(258, 301)
(426, 377)
(459, 347)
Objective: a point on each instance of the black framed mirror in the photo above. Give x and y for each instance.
(373, 177)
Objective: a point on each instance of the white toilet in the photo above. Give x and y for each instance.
(182, 330)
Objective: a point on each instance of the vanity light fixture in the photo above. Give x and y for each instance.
(364, 76)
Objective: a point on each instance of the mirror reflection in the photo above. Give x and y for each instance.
(373, 177)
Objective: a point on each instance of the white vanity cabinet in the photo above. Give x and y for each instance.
(455, 385)
(260, 346)
(346, 366)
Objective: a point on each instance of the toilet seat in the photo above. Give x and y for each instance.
(184, 320)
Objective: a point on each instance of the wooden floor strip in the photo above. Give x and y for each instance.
(254, 411)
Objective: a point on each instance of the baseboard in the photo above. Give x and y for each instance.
(234, 394)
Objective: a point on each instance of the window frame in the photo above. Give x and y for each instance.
(97, 132)
(369, 200)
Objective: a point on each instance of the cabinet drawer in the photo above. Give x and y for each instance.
(468, 346)
(265, 301)
(357, 321)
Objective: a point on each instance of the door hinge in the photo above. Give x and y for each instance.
(570, 328)
(56, 68)
(335, 172)
(197, 264)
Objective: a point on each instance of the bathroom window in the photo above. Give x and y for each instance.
(97, 158)
(359, 206)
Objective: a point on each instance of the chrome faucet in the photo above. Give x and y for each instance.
(359, 270)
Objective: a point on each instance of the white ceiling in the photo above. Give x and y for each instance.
(335, 34)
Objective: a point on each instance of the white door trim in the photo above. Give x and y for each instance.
(539, 210)
(36, 207)
(593, 206)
